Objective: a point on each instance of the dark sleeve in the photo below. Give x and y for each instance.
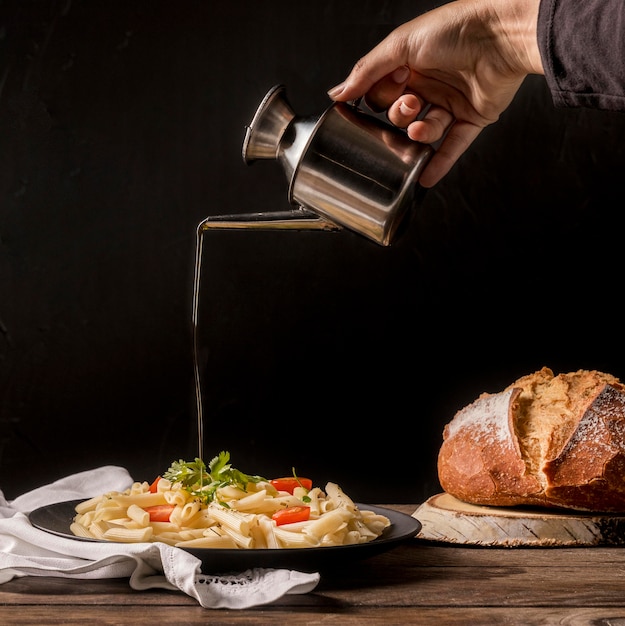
(582, 47)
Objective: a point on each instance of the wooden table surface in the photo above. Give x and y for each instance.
(418, 582)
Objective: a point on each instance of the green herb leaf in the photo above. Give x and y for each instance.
(203, 483)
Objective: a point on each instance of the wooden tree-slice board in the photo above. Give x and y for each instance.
(447, 519)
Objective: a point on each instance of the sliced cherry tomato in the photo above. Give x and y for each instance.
(291, 514)
(154, 485)
(288, 483)
(160, 512)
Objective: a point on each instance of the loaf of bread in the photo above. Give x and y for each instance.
(545, 440)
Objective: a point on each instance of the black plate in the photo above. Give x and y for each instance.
(56, 519)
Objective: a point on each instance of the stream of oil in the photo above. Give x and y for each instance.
(296, 219)
(196, 364)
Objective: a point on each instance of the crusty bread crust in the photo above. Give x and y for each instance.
(545, 440)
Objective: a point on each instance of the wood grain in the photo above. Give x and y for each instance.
(445, 518)
(418, 582)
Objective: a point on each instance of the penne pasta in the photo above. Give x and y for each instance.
(327, 524)
(97, 529)
(186, 514)
(140, 499)
(237, 517)
(88, 505)
(138, 515)
(128, 535)
(107, 513)
(175, 497)
(257, 502)
(209, 541)
(229, 518)
(290, 539)
(267, 528)
(81, 531)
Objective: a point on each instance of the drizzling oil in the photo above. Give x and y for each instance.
(295, 219)
(195, 318)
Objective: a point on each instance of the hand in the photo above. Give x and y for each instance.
(449, 73)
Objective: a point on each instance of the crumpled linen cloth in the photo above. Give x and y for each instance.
(28, 551)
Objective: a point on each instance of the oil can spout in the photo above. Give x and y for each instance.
(295, 219)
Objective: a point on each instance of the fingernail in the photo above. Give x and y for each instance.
(335, 91)
(401, 74)
(404, 109)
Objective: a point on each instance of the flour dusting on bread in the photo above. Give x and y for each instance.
(487, 423)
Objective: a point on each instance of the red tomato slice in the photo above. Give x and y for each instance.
(288, 483)
(160, 512)
(291, 514)
(154, 485)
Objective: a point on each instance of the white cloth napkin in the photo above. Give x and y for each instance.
(28, 551)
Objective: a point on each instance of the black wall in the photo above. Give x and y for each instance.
(121, 125)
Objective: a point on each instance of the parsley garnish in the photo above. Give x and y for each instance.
(203, 483)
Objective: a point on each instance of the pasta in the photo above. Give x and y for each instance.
(235, 518)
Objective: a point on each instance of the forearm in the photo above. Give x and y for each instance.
(514, 24)
(524, 20)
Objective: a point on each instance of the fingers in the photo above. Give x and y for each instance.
(388, 89)
(459, 137)
(380, 95)
(405, 110)
(429, 128)
(385, 67)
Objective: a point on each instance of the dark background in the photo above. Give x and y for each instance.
(121, 126)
